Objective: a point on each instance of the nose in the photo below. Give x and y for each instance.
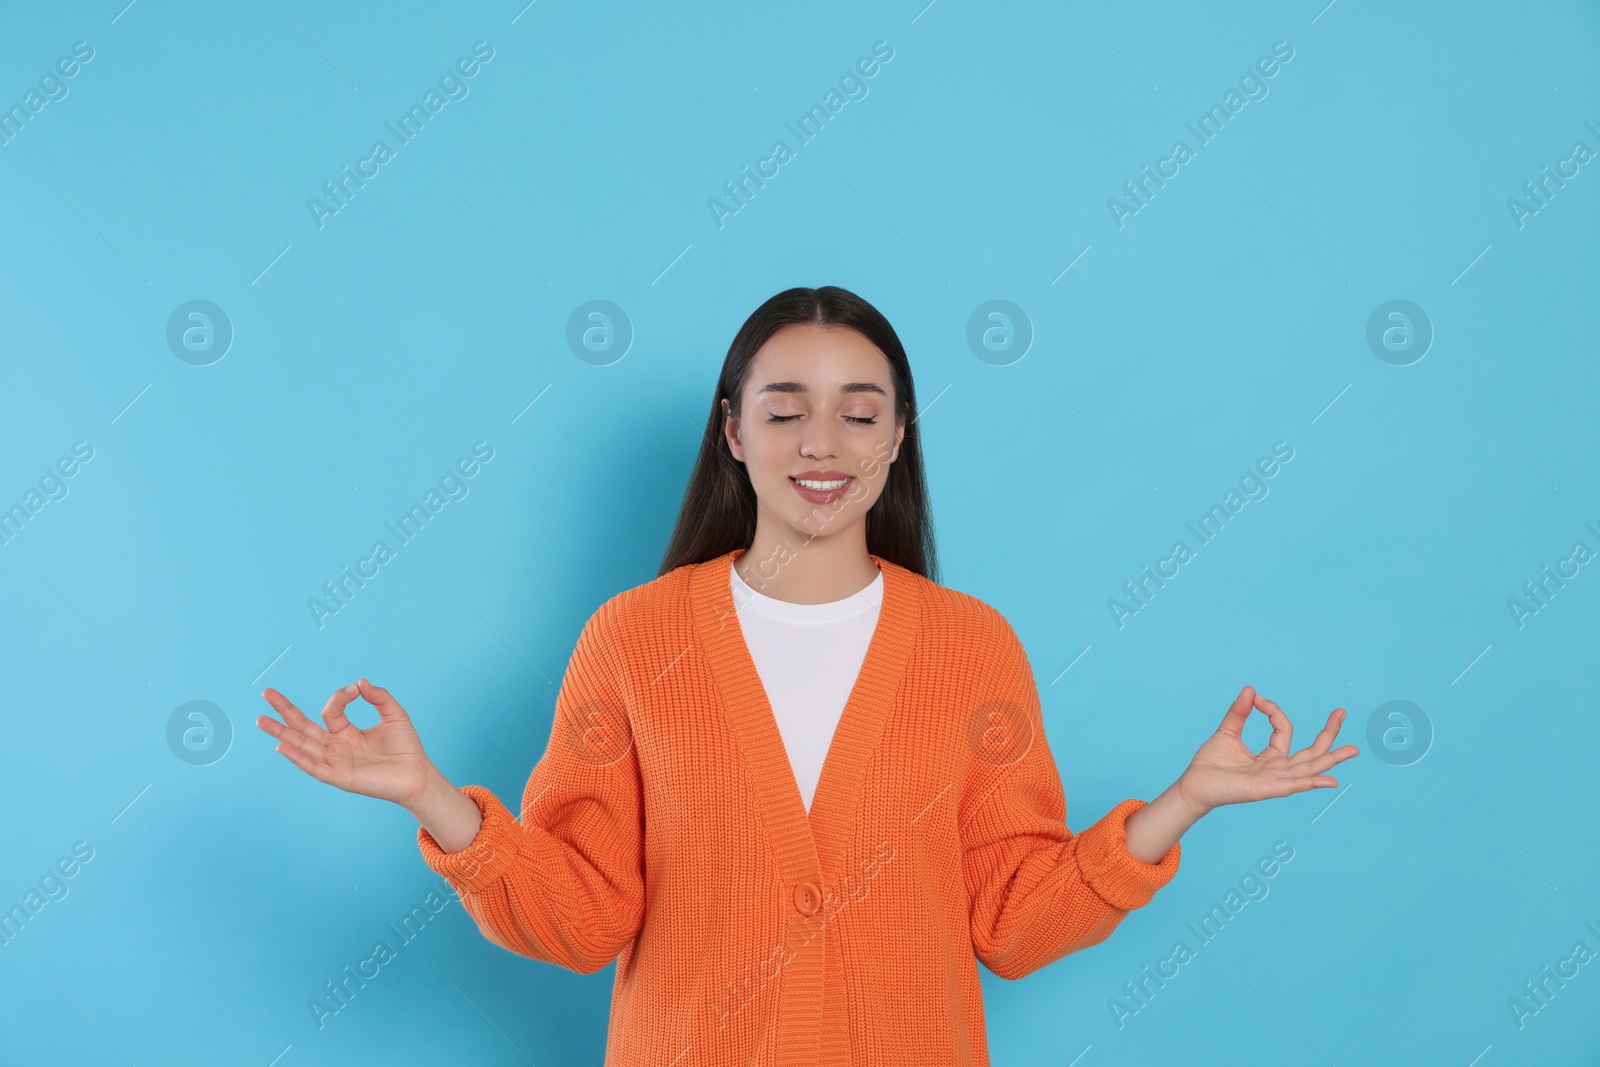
(820, 440)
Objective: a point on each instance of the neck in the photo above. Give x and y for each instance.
(787, 566)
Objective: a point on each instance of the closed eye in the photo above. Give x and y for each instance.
(848, 418)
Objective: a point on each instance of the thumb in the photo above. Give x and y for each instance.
(389, 708)
(1238, 712)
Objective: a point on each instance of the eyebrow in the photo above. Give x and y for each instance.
(799, 387)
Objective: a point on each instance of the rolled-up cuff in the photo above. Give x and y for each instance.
(1112, 871)
(479, 865)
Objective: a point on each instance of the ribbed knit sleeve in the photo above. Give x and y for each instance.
(1037, 890)
(565, 884)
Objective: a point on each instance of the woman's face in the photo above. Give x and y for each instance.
(817, 407)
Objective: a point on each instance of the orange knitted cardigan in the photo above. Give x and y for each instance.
(663, 828)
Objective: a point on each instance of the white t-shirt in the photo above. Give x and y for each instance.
(808, 657)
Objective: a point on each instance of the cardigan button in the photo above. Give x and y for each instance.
(807, 898)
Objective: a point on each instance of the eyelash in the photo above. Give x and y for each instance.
(851, 418)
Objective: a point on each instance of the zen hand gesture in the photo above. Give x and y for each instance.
(1225, 771)
(385, 761)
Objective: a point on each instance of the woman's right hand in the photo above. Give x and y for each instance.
(385, 761)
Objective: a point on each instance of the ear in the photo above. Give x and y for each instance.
(730, 429)
(899, 435)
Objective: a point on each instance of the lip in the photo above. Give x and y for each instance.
(817, 496)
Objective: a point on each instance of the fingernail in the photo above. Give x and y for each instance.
(352, 688)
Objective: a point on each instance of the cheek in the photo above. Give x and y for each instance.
(763, 454)
(872, 457)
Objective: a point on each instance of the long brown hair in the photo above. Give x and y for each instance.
(718, 513)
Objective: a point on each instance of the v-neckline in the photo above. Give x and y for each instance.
(807, 843)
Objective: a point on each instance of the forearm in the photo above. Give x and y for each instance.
(447, 813)
(1156, 827)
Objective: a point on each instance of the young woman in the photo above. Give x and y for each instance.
(795, 787)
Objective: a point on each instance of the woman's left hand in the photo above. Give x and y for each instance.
(1225, 771)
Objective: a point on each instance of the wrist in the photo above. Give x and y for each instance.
(434, 794)
(1183, 800)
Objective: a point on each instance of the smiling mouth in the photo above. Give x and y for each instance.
(821, 490)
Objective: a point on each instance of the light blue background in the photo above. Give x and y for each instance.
(429, 313)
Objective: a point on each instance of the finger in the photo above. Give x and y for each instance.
(306, 761)
(292, 716)
(380, 698)
(1325, 736)
(1238, 712)
(295, 725)
(1282, 728)
(1338, 755)
(333, 710)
